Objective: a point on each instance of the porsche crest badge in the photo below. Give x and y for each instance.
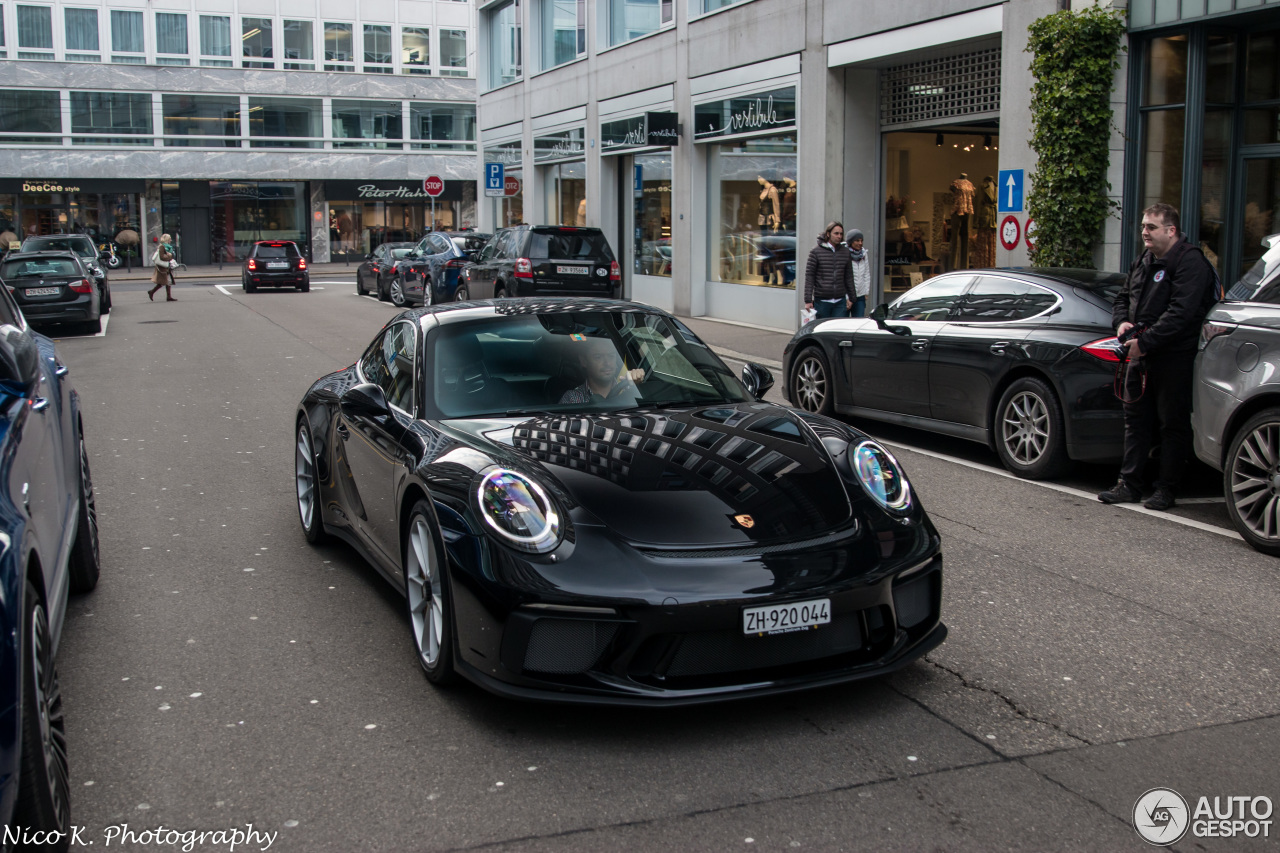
(745, 520)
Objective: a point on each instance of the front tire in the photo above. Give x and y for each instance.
(461, 295)
(1249, 481)
(811, 382)
(1030, 431)
(308, 485)
(84, 566)
(44, 791)
(427, 593)
(428, 297)
(396, 292)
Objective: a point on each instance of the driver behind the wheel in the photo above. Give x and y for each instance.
(608, 379)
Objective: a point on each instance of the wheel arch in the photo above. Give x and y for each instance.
(811, 343)
(1023, 371)
(1241, 416)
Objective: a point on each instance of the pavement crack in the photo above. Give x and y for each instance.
(933, 513)
(1014, 706)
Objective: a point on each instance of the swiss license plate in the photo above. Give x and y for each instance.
(277, 265)
(560, 270)
(43, 291)
(784, 618)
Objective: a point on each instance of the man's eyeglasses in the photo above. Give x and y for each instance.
(1148, 226)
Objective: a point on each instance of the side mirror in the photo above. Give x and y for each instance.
(880, 313)
(757, 379)
(366, 401)
(19, 356)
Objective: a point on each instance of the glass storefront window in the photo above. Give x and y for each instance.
(1262, 67)
(367, 124)
(243, 213)
(1261, 200)
(1215, 166)
(505, 57)
(339, 49)
(35, 32)
(629, 19)
(377, 49)
(299, 46)
(202, 120)
(415, 50)
(255, 43)
(1166, 71)
(8, 218)
(752, 206)
(651, 186)
(128, 46)
(171, 38)
(453, 53)
(82, 35)
(285, 123)
(215, 40)
(564, 31)
(1220, 69)
(566, 189)
(108, 116)
(25, 111)
(443, 126)
(1163, 141)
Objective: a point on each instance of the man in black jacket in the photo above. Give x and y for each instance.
(1170, 289)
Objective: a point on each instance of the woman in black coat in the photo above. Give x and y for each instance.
(828, 275)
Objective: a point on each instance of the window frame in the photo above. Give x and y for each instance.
(302, 63)
(546, 32)
(368, 66)
(71, 54)
(604, 13)
(185, 56)
(265, 61)
(490, 34)
(44, 52)
(463, 70)
(339, 65)
(215, 60)
(121, 56)
(423, 67)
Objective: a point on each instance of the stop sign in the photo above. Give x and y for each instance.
(433, 186)
(511, 186)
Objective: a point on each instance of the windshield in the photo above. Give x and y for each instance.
(591, 361)
(39, 268)
(285, 250)
(1264, 270)
(82, 246)
(471, 243)
(570, 244)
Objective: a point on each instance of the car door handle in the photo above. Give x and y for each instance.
(919, 344)
(60, 370)
(999, 347)
(343, 432)
(39, 404)
(846, 343)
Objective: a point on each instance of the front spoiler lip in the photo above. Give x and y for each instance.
(682, 698)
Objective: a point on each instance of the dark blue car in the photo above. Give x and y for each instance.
(48, 550)
(429, 275)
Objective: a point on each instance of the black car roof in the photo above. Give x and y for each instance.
(42, 253)
(1090, 279)
(454, 312)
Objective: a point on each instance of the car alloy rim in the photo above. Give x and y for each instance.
(48, 698)
(306, 478)
(461, 294)
(1255, 481)
(90, 508)
(426, 604)
(811, 384)
(1025, 428)
(397, 293)
(426, 291)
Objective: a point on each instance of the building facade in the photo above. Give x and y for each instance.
(224, 122)
(712, 140)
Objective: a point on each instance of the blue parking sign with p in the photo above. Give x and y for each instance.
(494, 179)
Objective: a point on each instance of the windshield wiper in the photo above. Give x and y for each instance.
(515, 413)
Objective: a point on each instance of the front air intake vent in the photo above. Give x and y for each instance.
(567, 646)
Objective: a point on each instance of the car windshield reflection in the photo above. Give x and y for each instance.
(592, 361)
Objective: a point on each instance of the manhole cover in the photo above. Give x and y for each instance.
(145, 322)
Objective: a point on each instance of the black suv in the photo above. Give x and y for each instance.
(54, 287)
(82, 245)
(275, 263)
(544, 260)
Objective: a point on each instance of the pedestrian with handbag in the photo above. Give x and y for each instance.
(861, 272)
(828, 275)
(161, 270)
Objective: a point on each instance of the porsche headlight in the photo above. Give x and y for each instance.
(519, 511)
(881, 476)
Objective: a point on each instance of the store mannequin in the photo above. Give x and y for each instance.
(770, 205)
(961, 213)
(985, 256)
(788, 223)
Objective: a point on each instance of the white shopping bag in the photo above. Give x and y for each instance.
(808, 315)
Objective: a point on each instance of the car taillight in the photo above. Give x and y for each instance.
(615, 271)
(1105, 349)
(302, 263)
(83, 287)
(456, 263)
(253, 265)
(1211, 330)
(524, 269)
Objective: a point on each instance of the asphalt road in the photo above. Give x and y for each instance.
(225, 672)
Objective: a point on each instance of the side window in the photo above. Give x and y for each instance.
(372, 365)
(994, 299)
(389, 364)
(439, 243)
(932, 300)
(507, 246)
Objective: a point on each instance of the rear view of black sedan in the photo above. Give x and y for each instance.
(275, 263)
(1021, 360)
(581, 503)
(54, 287)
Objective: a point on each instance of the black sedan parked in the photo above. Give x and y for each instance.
(376, 272)
(275, 263)
(580, 502)
(1021, 360)
(82, 245)
(54, 287)
(432, 272)
(49, 533)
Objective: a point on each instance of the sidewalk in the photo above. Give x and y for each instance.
(142, 272)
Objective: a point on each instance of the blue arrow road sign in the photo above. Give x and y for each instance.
(1010, 191)
(494, 179)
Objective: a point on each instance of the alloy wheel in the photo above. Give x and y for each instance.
(397, 292)
(1024, 428)
(86, 493)
(305, 468)
(426, 291)
(1255, 481)
(811, 384)
(426, 599)
(48, 700)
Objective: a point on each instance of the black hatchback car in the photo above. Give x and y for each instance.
(275, 263)
(54, 287)
(544, 260)
(1021, 360)
(82, 245)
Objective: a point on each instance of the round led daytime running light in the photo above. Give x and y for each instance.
(518, 510)
(881, 476)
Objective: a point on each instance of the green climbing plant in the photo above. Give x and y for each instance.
(1074, 59)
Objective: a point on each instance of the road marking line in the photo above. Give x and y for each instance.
(1068, 490)
(106, 318)
(223, 288)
